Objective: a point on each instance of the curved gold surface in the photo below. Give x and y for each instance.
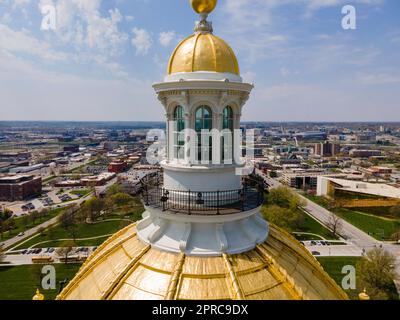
(124, 268)
(203, 52)
(203, 6)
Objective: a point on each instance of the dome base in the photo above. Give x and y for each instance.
(202, 235)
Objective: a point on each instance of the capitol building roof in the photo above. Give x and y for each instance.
(124, 268)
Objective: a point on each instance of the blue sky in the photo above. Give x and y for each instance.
(100, 62)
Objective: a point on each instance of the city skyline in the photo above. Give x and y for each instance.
(101, 61)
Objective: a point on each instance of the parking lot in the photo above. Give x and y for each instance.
(28, 256)
(48, 200)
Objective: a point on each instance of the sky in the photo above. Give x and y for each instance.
(100, 61)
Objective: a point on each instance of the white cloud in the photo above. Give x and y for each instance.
(80, 23)
(20, 3)
(166, 38)
(23, 42)
(141, 41)
(379, 78)
(31, 93)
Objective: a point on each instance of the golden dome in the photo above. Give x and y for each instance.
(203, 6)
(203, 52)
(124, 268)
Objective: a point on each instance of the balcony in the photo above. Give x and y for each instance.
(249, 197)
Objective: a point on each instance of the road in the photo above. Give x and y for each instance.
(358, 240)
(31, 232)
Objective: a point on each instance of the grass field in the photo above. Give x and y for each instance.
(80, 192)
(379, 228)
(21, 282)
(310, 225)
(334, 265)
(20, 227)
(83, 230)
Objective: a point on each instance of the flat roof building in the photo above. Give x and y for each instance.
(19, 187)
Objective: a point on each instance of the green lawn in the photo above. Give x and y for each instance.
(83, 230)
(379, 228)
(20, 227)
(334, 265)
(21, 282)
(81, 192)
(310, 225)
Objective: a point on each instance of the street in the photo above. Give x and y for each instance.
(357, 240)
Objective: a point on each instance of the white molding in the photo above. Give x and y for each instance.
(203, 75)
(203, 235)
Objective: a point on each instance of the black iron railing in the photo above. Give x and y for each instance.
(249, 197)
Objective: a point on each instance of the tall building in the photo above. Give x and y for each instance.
(326, 149)
(202, 235)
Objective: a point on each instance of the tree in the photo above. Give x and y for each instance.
(395, 211)
(273, 174)
(376, 273)
(121, 199)
(5, 215)
(65, 249)
(34, 216)
(66, 219)
(286, 198)
(25, 221)
(2, 254)
(10, 225)
(93, 208)
(2, 229)
(41, 231)
(396, 236)
(335, 223)
(114, 189)
(282, 217)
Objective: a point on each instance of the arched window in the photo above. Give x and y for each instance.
(227, 141)
(203, 127)
(179, 133)
(228, 118)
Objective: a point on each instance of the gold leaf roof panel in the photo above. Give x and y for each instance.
(203, 52)
(124, 268)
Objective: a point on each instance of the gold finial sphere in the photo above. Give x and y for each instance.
(363, 295)
(203, 6)
(38, 296)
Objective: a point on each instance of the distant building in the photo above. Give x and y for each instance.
(380, 171)
(311, 135)
(366, 137)
(365, 153)
(117, 166)
(306, 180)
(328, 185)
(14, 156)
(110, 145)
(19, 187)
(326, 149)
(27, 168)
(97, 181)
(72, 148)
